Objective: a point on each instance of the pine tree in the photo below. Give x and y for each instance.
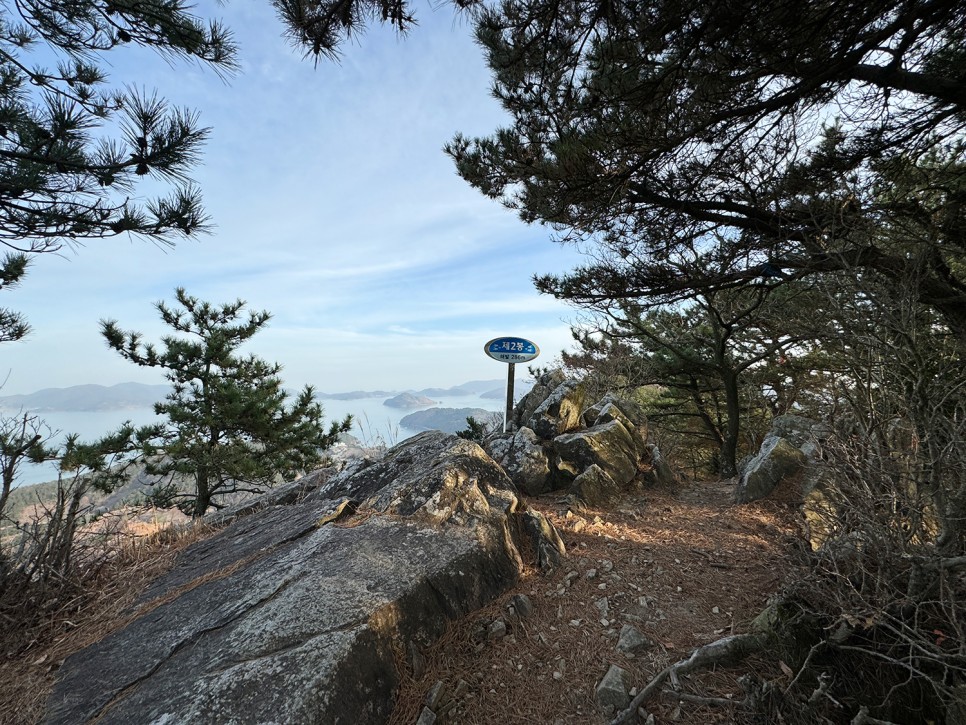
(72, 149)
(228, 425)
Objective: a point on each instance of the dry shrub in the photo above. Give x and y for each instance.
(43, 627)
(884, 599)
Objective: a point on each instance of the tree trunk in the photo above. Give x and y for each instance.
(202, 493)
(729, 441)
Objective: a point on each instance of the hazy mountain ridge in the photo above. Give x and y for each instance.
(89, 397)
(472, 387)
(122, 396)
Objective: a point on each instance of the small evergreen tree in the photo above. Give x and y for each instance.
(475, 430)
(228, 425)
(23, 438)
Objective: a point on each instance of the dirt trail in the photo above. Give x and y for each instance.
(685, 567)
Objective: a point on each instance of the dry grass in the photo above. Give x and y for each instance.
(34, 645)
(684, 567)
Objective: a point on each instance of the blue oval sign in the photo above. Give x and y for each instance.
(511, 349)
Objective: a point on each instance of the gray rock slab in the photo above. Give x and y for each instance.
(660, 472)
(289, 615)
(594, 487)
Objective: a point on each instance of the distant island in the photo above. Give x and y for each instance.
(408, 401)
(356, 395)
(448, 420)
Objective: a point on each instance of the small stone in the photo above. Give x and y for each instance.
(591, 573)
(612, 690)
(715, 610)
(522, 605)
(557, 675)
(603, 606)
(607, 565)
(496, 630)
(435, 695)
(462, 687)
(571, 575)
(631, 641)
(426, 717)
(601, 586)
(679, 589)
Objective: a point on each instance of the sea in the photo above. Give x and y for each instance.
(373, 424)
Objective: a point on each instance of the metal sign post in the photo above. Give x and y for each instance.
(510, 350)
(509, 395)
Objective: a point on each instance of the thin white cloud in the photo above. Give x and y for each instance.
(335, 209)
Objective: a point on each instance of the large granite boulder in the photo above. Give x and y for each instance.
(294, 613)
(528, 404)
(610, 446)
(631, 410)
(777, 461)
(594, 487)
(609, 410)
(803, 433)
(560, 412)
(791, 450)
(524, 460)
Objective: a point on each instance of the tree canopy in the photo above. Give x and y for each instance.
(700, 146)
(73, 149)
(228, 426)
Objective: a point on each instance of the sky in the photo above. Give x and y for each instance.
(334, 208)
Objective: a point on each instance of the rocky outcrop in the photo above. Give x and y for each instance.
(791, 450)
(524, 460)
(295, 612)
(560, 412)
(528, 404)
(609, 446)
(597, 452)
(777, 461)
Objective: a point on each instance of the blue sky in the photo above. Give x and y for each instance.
(335, 209)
